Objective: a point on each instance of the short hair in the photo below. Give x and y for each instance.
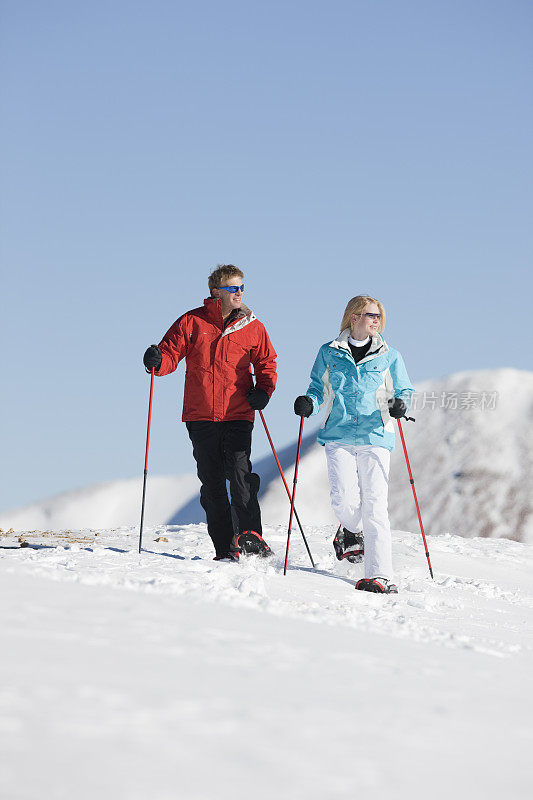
(357, 305)
(222, 273)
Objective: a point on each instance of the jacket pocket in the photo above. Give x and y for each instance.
(371, 378)
(237, 352)
(198, 356)
(337, 380)
(198, 392)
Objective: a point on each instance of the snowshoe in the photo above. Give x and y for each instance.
(380, 585)
(226, 557)
(349, 545)
(250, 543)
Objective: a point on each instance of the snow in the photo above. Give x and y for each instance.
(169, 675)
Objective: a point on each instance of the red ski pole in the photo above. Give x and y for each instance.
(293, 492)
(412, 482)
(285, 484)
(146, 455)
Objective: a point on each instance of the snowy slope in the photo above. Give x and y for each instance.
(169, 675)
(471, 450)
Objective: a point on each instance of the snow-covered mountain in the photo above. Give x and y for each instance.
(113, 504)
(471, 451)
(474, 463)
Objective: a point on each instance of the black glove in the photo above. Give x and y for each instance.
(303, 406)
(397, 407)
(152, 358)
(257, 398)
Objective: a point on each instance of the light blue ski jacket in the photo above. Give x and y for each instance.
(355, 395)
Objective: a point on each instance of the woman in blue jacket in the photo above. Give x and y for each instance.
(363, 384)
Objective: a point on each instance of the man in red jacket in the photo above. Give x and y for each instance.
(220, 341)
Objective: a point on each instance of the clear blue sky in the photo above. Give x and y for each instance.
(329, 149)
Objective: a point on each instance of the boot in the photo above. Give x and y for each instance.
(380, 585)
(249, 543)
(349, 545)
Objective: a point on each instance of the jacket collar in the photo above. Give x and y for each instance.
(238, 319)
(378, 344)
(213, 307)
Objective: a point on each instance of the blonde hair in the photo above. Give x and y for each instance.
(222, 273)
(356, 306)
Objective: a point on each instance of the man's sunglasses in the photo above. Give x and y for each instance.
(233, 289)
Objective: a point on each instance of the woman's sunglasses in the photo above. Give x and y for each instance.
(369, 315)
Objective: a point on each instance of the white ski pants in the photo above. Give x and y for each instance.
(359, 484)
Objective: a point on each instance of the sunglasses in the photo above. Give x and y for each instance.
(369, 315)
(233, 289)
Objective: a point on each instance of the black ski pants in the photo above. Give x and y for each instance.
(222, 452)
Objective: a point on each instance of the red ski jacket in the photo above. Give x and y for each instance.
(218, 358)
